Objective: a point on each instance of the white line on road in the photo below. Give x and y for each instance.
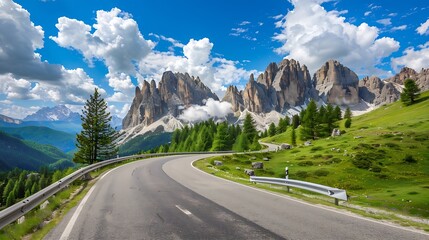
(73, 219)
(184, 210)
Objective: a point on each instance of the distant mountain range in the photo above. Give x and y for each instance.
(57, 113)
(59, 118)
(282, 89)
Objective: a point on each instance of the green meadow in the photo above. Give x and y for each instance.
(382, 160)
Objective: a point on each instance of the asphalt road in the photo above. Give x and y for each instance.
(166, 198)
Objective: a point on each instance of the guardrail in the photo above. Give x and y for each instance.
(322, 189)
(19, 209)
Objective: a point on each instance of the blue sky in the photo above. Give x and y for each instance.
(57, 52)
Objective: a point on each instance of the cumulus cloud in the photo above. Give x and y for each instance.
(211, 109)
(17, 112)
(367, 13)
(312, 35)
(24, 76)
(116, 40)
(216, 73)
(243, 23)
(238, 31)
(413, 58)
(19, 43)
(423, 29)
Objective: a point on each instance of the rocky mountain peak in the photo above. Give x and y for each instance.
(56, 113)
(337, 84)
(234, 97)
(175, 92)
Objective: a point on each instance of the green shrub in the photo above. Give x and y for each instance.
(413, 193)
(315, 149)
(305, 163)
(409, 159)
(393, 145)
(321, 172)
(336, 160)
(362, 163)
(224, 168)
(301, 174)
(376, 169)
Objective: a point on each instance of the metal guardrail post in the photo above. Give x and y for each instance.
(338, 194)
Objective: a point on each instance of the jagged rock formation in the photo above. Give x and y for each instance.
(175, 92)
(422, 78)
(337, 84)
(234, 97)
(278, 88)
(374, 90)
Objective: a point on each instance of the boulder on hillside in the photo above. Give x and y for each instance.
(249, 172)
(336, 132)
(258, 165)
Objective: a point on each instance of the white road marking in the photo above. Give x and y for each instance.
(184, 210)
(73, 219)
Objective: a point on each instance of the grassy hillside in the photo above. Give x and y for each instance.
(382, 160)
(44, 135)
(16, 153)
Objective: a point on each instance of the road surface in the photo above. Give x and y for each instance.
(166, 198)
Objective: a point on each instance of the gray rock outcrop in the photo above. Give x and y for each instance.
(374, 90)
(175, 92)
(337, 84)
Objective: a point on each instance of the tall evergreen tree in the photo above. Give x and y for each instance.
(295, 121)
(337, 113)
(220, 141)
(9, 188)
(249, 127)
(410, 92)
(293, 136)
(272, 130)
(96, 141)
(241, 143)
(310, 121)
(347, 113)
(282, 126)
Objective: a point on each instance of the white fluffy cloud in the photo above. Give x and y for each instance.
(216, 73)
(23, 76)
(18, 43)
(423, 29)
(116, 40)
(413, 58)
(211, 109)
(312, 35)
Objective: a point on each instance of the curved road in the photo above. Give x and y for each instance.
(166, 198)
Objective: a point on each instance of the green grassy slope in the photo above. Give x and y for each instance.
(44, 135)
(368, 160)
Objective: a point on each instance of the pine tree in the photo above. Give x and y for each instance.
(337, 113)
(241, 143)
(310, 121)
(96, 141)
(9, 188)
(348, 123)
(35, 188)
(295, 121)
(249, 128)
(282, 126)
(347, 113)
(10, 199)
(255, 144)
(272, 130)
(293, 136)
(220, 141)
(410, 92)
